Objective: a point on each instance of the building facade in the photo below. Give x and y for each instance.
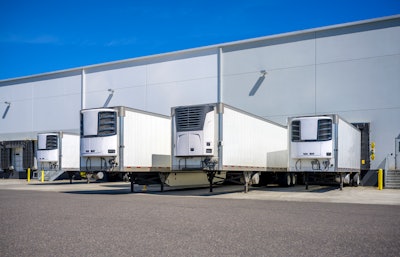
(349, 69)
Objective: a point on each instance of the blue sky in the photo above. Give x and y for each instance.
(44, 36)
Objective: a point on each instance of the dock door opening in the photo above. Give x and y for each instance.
(365, 153)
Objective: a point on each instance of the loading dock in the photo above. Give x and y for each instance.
(311, 72)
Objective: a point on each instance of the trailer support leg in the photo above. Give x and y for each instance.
(210, 176)
(70, 175)
(341, 182)
(306, 180)
(163, 177)
(132, 182)
(247, 177)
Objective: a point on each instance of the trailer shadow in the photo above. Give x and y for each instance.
(61, 182)
(110, 189)
(302, 189)
(101, 188)
(100, 192)
(200, 191)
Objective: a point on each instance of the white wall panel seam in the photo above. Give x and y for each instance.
(358, 59)
(268, 70)
(315, 73)
(152, 84)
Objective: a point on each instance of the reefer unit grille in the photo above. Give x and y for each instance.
(191, 118)
(51, 142)
(296, 131)
(107, 124)
(324, 130)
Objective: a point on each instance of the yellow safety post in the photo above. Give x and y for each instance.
(29, 175)
(380, 179)
(42, 178)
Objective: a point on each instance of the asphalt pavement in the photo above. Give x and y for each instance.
(105, 219)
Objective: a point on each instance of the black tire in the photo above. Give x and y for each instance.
(293, 179)
(356, 180)
(285, 179)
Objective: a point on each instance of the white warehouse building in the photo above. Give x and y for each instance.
(351, 69)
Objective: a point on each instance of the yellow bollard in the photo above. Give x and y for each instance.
(380, 179)
(29, 175)
(42, 178)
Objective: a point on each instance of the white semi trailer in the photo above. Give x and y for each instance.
(57, 153)
(218, 141)
(121, 140)
(325, 146)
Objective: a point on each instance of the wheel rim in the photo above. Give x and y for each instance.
(288, 180)
(293, 179)
(356, 180)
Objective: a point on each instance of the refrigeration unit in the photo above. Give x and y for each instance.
(124, 141)
(57, 153)
(325, 145)
(218, 142)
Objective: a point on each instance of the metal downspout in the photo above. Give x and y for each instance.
(220, 112)
(83, 106)
(60, 153)
(83, 89)
(121, 115)
(336, 122)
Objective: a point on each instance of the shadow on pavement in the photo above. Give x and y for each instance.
(99, 192)
(155, 190)
(301, 188)
(111, 188)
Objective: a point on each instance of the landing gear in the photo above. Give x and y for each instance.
(163, 177)
(132, 180)
(70, 176)
(341, 182)
(210, 176)
(247, 178)
(306, 180)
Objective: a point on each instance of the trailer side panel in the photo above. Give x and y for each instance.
(247, 140)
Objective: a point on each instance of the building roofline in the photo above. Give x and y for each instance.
(205, 48)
